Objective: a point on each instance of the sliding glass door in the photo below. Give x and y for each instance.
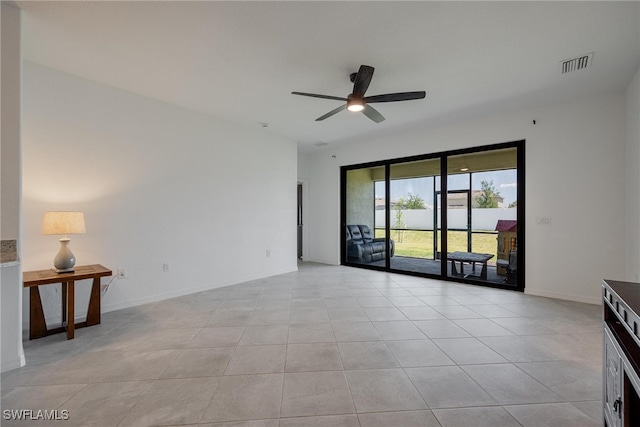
(364, 230)
(412, 215)
(395, 217)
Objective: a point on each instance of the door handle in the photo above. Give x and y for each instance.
(617, 406)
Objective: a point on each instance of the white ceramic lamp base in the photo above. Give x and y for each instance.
(65, 259)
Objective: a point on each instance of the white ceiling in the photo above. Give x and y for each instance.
(239, 61)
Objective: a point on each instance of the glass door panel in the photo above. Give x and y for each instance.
(412, 216)
(482, 189)
(365, 236)
(495, 212)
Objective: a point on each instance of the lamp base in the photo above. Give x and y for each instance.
(65, 259)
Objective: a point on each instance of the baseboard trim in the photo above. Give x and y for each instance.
(12, 364)
(566, 297)
(194, 290)
(322, 261)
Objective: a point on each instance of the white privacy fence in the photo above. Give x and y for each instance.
(422, 219)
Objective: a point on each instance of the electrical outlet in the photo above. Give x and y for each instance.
(165, 267)
(543, 220)
(121, 273)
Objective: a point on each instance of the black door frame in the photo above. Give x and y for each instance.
(520, 233)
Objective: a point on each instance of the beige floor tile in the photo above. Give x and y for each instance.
(199, 362)
(258, 359)
(218, 336)
(172, 401)
(310, 333)
(416, 353)
(379, 390)
(509, 385)
(442, 328)
(494, 416)
(270, 317)
(398, 330)
(309, 315)
(347, 315)
(104, 404)
(366, 355)
(404, 419)
(316, 393)
(265, 335)
(468, 351)
(245, 397)
(355, 331)
(448, 387)
(130, 366)
(551, 415)
(322, 421)
(313, 357)
(39, 397)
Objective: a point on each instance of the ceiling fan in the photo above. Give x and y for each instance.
(356, 101)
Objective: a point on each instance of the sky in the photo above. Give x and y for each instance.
(504, 183)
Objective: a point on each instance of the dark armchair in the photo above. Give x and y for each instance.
(363, 247)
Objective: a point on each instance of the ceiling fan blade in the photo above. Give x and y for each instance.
(315, 95)
(393, 97)
(332, 112)
(363, 78)
(373, 114)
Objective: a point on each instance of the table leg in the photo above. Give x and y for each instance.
(454, 272)
(37, 324)
(70, 310)
(483, 272)
(93, 312)
(63, 286)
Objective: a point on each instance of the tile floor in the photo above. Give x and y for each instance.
(325, 346)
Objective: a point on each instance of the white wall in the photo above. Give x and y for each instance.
(11, 354)
(633, 180)
(484, 219)
(158, 184)
(574, 175)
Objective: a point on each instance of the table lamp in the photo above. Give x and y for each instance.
(63, 223)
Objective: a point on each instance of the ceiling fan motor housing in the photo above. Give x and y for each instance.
(355, 103)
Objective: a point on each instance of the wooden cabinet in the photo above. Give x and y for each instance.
(621, 383)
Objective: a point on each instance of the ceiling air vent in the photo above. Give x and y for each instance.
(321, 144)
(575, 64)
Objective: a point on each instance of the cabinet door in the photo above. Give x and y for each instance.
(612, 383)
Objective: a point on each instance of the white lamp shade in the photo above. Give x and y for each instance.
(63, 223)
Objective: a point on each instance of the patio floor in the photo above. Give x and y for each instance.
(430, 266)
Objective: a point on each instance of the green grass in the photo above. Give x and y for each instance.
(419, 244)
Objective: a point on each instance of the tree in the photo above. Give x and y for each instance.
(411, 202)
(399, 224)
(488, 197)
(513, 204)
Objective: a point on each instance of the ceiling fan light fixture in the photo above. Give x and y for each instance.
(357, 101)
(355, 104)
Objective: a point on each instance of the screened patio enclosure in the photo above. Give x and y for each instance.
(455, 215)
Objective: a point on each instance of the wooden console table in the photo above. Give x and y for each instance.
(33, 279)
